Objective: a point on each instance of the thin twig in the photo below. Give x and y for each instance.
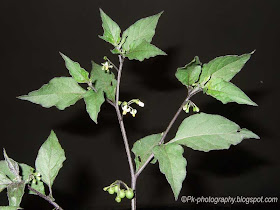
(93, 88)
(190, 94)
(47, 198)
(115, 67)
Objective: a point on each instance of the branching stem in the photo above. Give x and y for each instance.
(190, 94)
(134, 176)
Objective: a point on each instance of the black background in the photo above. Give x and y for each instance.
(32, 34)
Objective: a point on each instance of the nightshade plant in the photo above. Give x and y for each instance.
(200, 131)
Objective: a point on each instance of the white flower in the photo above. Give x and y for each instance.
(140, 103)
(133, 112)
(106, 66)
(126, 109)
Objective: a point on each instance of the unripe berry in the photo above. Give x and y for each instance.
(111, 190)
(118, 199)
(129, 194)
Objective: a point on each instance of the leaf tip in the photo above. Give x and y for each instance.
(251, 53)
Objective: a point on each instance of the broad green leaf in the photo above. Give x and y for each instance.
(143, 50)
(39, 186)
(143, 29)
(224, 67)
(111, 29)
(104, 81)
(75, 70)
(9, 208)
(4, 169)
(227, 92)
(49, 160)
(12, 165)
(93, 101)
(15, 192)
(143, 148)
(4, 181)
(172, 164)
(189, 74)
(206, 132)
(61, 92)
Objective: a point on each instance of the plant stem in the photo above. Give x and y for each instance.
(47, 198)
(93, 88)
(125, 140)
(190, 94)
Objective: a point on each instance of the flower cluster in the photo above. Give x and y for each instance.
(128, 109)
(189, 104)
(36, 177)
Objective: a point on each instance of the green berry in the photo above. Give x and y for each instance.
(111, 190)
(129, 194)
(117, 188)
(121, 194)
(118, 199)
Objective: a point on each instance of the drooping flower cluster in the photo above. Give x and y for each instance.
(128, 109)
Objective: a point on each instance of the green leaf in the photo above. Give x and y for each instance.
(5, 170)
(224, 67)
(172, 164)
(206, 132)
(39, 186)
(227, 92)
(26, 172)
(104, 81)
(143, 50)
(189, 74)
(12, 165)
(93, 101)
(75, 70)
(9, 208)
(49, 160)
(143, 29)
(61, 92)
(143, 148)
(111, 29)
(4, 181)
(15, 192)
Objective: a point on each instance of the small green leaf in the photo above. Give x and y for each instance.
(39, 186)
(61, 92)
(227, 92)
(93, 101)
(12, 165)
(104, 81)
(26, 172)
(189, 74)
(111, 29)
(4, 181)
(206, 132)
(173, 165)
(15, 192)
(142, 51)
(5, 170)
(224, 67)
(143, 148)
(49, 160)
(143, 29)
(75, 70)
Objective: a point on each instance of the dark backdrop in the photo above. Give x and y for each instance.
(32, 34)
